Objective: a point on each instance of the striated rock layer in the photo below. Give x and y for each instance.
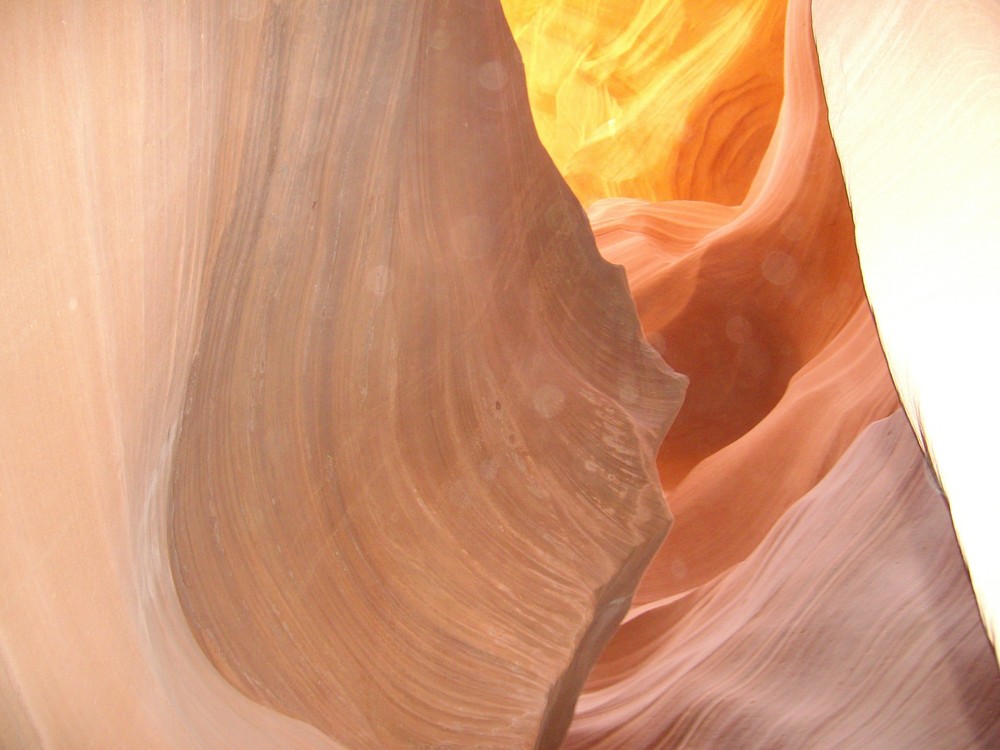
(312, 379)
(852, 624)
(653, 99)
(325, 425)
(804, 597)
(412, 489)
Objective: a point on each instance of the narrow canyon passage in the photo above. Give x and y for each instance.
(480, 374)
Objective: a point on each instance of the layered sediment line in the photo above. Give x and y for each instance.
(852, 624)
(763, 307)
(325, 424)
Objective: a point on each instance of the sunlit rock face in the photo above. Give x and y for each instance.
(915, 113)
(653, 99)
(324, 423)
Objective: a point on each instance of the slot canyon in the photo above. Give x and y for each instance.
(499, 374)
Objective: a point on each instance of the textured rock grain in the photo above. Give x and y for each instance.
(852, 624)
(323, 420)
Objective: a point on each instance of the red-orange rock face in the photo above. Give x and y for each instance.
(763, 307)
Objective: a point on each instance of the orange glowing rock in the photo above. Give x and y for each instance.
(797, 578)
(762, 306)
(657, 99)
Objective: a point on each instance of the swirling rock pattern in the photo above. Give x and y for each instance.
(413, 486)
(653, 99)
(852, 624)
(325, 425)
(312, 368)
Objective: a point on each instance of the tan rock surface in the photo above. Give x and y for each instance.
(296, 302)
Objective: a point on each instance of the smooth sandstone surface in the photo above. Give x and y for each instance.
(852, 624)
(324, 422)
(915, 113)
(111, 148)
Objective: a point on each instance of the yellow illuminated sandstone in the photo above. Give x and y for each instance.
(654, 99)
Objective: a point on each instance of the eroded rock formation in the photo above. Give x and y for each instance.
(762, 306)
(325, 425)
(413, 489)
(297, 304)
(851, 624)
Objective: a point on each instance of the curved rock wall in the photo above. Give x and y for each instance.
(915, 110)
(313, 379)
(326, 425)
